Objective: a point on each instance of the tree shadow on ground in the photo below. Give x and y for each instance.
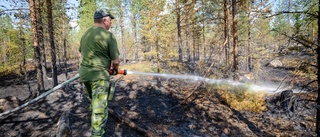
(142, 101)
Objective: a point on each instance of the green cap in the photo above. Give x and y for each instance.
(100, 14)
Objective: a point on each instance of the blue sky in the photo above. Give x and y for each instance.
(9, 5)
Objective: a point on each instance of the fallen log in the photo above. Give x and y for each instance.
(131, 124)
(64, 129)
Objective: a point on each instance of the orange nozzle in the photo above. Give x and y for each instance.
(118, 71)
(122, 71)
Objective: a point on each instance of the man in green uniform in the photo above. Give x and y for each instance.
(99, 53)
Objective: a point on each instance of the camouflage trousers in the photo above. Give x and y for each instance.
(98, 93)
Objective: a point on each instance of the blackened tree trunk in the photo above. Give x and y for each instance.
(187, 44)
(235, 39)
(193, 42)
(193, 27)
(65, 57)
(40, 36)
(203, 29)
(179, 29)
(33, 17)
(53, 47)
(226, 31)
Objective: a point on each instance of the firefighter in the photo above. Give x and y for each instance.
(99, 53)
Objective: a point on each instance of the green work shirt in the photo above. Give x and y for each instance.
(98, 47)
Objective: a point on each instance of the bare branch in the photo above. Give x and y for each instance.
(293, 12)
(300, 40)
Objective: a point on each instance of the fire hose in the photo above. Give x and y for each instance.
(112, 72)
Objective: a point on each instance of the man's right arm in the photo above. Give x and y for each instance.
(113, 52)
(115, 63)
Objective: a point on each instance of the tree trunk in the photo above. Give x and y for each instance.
(158, 60)
(158, 54)
(318, 76)
(235, 39)
(65, 57)
(37, 61)
(23, 51)
(136, 46)
(198, 44)
(4, 51)
(193, 42)
(41, 37)
(124, 52)
(187, 44)
(249, 56)
(226, 33)
(53, 47)
(179, 30)
(64, 47)
(203, 29)
(193, 14)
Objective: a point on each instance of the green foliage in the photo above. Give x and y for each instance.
(10, 55)
(86, 11)
(14, 57)
(152, 25)
(241, 97)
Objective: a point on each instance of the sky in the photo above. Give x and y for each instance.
(73, 13)
(8, 4)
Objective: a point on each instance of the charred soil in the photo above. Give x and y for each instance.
(149, 106)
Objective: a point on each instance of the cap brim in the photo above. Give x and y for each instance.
(112, 17)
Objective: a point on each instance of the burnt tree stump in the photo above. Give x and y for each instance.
(285, 100)
(64, 129)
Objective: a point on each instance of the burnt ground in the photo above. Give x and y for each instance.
(151, 109)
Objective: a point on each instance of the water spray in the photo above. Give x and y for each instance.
(125, 72)
(252, 87)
